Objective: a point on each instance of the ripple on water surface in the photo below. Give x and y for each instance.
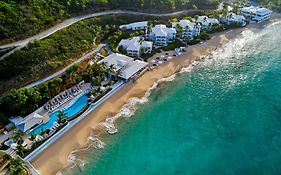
(222, 118)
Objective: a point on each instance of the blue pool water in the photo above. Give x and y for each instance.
(223, 118)
(9, 142)
(70, 111)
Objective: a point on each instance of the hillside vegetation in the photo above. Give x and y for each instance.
(22, 18)
(272, 4)
(43, 57)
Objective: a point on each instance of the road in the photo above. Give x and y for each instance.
(73, 20)
(66, 23)
(64, 69)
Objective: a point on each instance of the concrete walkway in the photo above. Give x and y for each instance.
(60, 133)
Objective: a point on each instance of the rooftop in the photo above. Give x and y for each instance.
(139, 24)
(133, 68)
(205, 20)
(135, 25)
(126, 64)
(235, 16)
(259, 10)
(24, 124)
(184, 23)
(162, 30)
(118, 60)
(134, 43)
(146, 44)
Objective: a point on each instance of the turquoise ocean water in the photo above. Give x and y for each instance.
(222, 118)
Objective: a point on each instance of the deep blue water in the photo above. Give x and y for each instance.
(223, 118)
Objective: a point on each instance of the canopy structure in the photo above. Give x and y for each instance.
(127, 65)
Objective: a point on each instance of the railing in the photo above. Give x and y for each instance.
(72, 123)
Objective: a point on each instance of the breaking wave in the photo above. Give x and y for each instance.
(128, 110)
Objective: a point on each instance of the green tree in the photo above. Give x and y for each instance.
(173, 20)
(61, 116)
(16, 167)
(179, 30)
(16, 101)
(189, 18)
(32, 137)
(18, 137)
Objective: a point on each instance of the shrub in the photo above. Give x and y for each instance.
(192, 42)
(204, 36)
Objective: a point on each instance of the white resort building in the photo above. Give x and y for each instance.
(29, 122)
(142, 25)
(189, 29)
(136, 46)
(127, 66)
(161, 35)
(256, 14)
(207, 22)
(232, 18)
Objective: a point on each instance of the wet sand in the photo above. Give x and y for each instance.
(55, 157)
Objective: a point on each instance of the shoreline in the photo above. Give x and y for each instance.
(55, 157)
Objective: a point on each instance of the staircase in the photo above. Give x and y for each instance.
(11, 152)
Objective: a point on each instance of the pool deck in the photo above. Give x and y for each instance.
(47, 114)
(60, 133)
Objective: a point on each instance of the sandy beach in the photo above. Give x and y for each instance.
(55, 157)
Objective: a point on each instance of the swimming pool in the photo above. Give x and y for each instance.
(70, 111)
(8, 142)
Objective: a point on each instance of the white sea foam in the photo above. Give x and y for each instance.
(130, 107)
(73, 161)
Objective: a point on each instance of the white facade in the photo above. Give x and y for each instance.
(127, 66)
(135, 46)
(232, 18)
(189, 29)
(256, 14)
(30, 121)
(142, 25)
(207, 22)
(161, 35)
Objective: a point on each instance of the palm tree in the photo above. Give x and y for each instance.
(61, 115)
(187, 28)
(112, 69)
(20, 150)
(205, 20)
(32, 137)
(179, 29)
(210, 26)
(198, 27)
(16, 167)
(117, 73)
(18, 137)
(148, 30)
(196, 18)
(43, 131)
(96, 80)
